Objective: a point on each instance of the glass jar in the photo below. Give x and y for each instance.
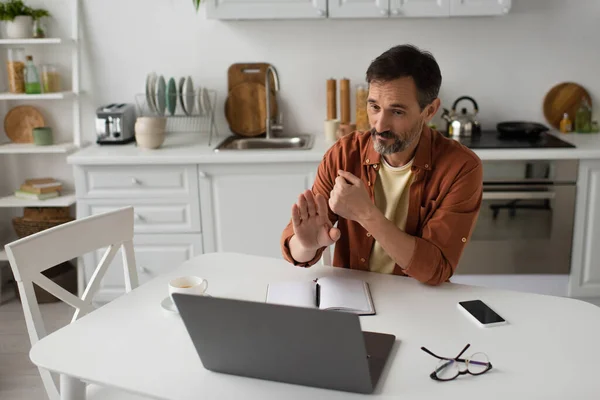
(39, 28)
(362, 119)
(15, 67)
(50, 79)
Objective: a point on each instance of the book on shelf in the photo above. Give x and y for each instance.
(39, 189)
(35, 196)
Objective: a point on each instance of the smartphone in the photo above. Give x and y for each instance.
(480, 313)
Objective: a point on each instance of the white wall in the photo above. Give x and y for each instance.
(507, 63)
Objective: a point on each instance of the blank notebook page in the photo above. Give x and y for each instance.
(344, 294)
(300, 294)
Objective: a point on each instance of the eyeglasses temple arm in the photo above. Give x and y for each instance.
(463, 350)
(434, 355)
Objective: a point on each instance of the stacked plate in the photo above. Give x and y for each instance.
(165, 97)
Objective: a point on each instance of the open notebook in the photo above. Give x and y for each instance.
(329, 293)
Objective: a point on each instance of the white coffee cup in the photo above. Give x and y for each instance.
(188, 285)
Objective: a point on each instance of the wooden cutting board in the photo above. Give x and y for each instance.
(246, 111)
(564, 98)
(245, 107)
(20, 121)
(247, 72)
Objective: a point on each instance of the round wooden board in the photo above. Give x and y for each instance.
(564, 98)
(246, 111)
(20, 121)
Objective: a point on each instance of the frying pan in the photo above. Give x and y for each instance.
(520, 130)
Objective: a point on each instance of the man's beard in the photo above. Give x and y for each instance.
(401, 142)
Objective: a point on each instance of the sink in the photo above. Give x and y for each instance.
(298, 142)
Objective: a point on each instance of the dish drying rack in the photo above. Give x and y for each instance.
(180, 122)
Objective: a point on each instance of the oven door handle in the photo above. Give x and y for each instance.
(518, 195)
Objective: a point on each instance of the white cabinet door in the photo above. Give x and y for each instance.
(150, 215)
(359, 8)
(248, 206)
(479, 7)
(584, 280)
(154, 255)
(266, 9)
(419, 8)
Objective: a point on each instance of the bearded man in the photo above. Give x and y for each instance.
(405, 198)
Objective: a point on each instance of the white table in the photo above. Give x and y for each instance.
(549, 350)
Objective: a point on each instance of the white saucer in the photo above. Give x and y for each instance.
(168, 305)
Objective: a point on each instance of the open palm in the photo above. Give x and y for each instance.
(312, 227)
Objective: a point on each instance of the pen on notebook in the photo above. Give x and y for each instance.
(318, 294)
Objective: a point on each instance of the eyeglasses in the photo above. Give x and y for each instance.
(449, 368)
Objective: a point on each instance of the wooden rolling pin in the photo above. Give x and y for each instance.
(345, 101)
(331, 99)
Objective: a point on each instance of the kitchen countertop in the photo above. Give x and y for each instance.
(185, 148)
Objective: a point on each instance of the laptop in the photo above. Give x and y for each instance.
(304, 346)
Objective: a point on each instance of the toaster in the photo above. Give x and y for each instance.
(115, 123)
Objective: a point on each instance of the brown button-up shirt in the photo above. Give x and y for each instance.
(444, 202)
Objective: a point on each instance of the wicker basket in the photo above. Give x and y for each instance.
(25, 227)
(46, 213)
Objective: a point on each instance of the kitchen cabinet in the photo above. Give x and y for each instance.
(167, 222)
(584, 279)
(266, 9)
(359, 8)
(299, 9)
(419, 8)
(479, 7)
(246, 207)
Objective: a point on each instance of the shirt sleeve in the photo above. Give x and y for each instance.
(324, 182)
(445, 235)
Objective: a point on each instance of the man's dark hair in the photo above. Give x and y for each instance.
(408, 61)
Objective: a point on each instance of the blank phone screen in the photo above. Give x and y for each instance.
(481, 311)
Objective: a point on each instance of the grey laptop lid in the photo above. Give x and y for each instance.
(304, 346)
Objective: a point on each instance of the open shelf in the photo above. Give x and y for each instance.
(30, 148)
(44, 96)
(31, 41)
(64, 200)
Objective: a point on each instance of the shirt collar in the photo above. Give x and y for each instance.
(422, 158)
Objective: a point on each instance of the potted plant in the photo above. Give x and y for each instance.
(18, 19)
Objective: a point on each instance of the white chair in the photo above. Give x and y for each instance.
(36, 253)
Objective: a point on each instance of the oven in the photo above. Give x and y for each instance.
(525, 225)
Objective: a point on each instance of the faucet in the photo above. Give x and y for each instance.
(269, 123)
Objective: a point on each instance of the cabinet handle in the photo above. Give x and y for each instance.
(321, 13)
(138, 217)
(202, 174)
(395, 11)
(384, 12)
(134, 181)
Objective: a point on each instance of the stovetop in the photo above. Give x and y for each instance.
(491, 140)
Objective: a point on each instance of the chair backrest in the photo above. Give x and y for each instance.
(32, 255)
